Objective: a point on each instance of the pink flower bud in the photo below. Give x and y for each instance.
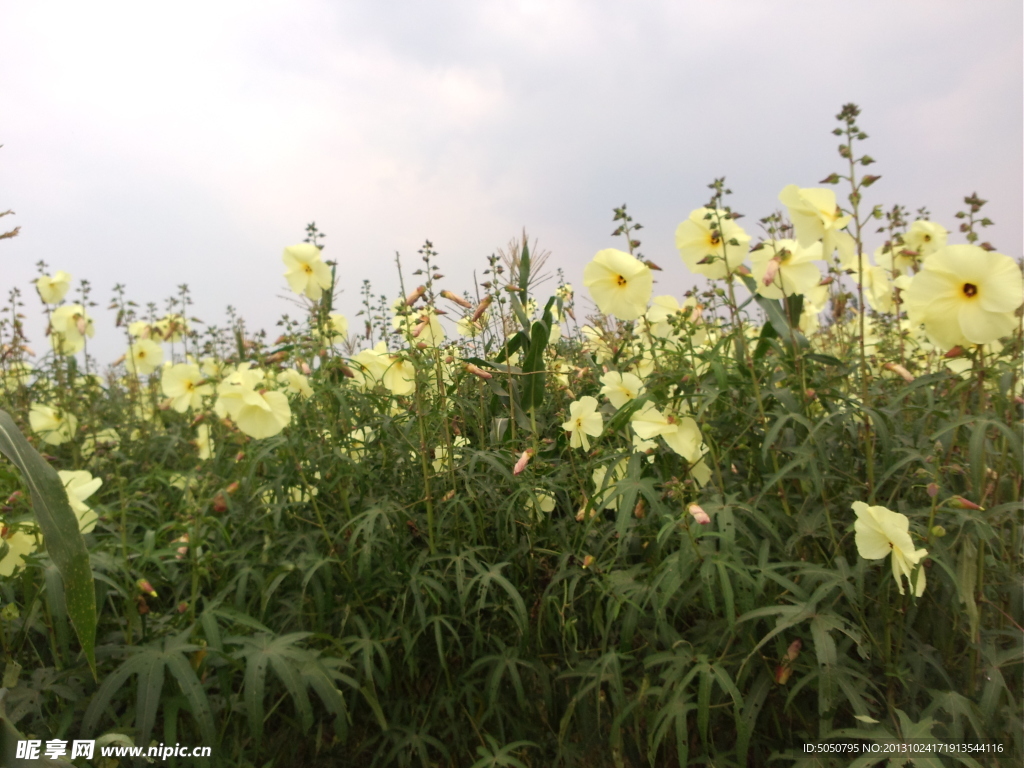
(933, 490)
(524, 459)
(794, 649)
(900, 371)
(481, 308)
(959, 502)
(771, 271)
(457, 299)
(699, 514)
(413, 297)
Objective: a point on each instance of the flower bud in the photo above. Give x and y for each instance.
(481, 308)
(794, 649)
(699, 514)
(588, 561)
(899, 370)
(145, 587)
(933, 490)
(524, 459)
(959, 502)
(413, 297)
(478, 372)
(640, 509)
(772, 270)
(457, 299)
(938, 531)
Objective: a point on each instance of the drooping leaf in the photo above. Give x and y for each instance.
(61, 533)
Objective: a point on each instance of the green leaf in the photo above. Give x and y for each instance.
(520, 312)
(524, 268)
(533, 367)
(61, 533)
(779, 321)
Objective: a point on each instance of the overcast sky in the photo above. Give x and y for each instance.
(159, 144)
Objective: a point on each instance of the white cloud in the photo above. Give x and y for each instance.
(155, 145)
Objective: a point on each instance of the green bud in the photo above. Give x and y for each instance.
(938, 531)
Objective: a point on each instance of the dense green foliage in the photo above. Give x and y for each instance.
(406, 599)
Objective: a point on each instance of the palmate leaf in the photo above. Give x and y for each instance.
(61, 533)
(150, 663)
(298, 669)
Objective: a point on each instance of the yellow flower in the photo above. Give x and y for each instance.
(144, 357)
(540, 503)
(441, 460)
(878, 287)
(55, 427)
(400, 376)
(185, 385)
(170, 328)
(53, 289)
(420, 326)
(204, 442)
(371, 365)
(470, 328)
(21, 543)
(294, 383)
(261, 414)
(104, 438)
(701, 472)
(17, 375)
(785, 268)
(620, 284)
(69, 325)
(709, 251)
(212, 368)
(665, 325)
(925, 238)
(257, 413)
(680, 433)
(307, 273)
(583, 420)
(881, 531)
(816, 216)
(359, 439)
(620, 388)
(337, 328)
(595, 343)
(80, 485)
(965, 295)
(606, 494)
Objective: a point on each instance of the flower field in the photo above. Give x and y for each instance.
(487, 526)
